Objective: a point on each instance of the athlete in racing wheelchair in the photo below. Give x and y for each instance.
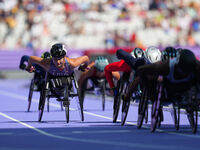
(38, 78)
(122, 84)
(93, 80)
(60, 81)
(151, 55)
(180, 79)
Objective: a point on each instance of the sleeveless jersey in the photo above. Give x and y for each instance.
(53, 70)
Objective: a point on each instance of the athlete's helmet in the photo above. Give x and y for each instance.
(186, 60)
(153, 54)
(168, 53)
(46, 55)
(101, 62)
(58, 50)
(137, 52)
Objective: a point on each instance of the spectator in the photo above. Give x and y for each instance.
(33, 23)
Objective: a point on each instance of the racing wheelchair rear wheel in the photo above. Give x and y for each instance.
(143, 103)
(121, 86)
(66, 104)
(43, 96)
(103, 89)
(30, 95)
(79, 100)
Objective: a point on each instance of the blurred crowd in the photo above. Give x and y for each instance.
(92, 24)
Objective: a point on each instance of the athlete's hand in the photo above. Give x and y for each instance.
(30, 69)
(83, 67)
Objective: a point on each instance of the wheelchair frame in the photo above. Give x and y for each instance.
(37, 76)
(191, 109)
(70, 90)
(101, 84)
(122, 86)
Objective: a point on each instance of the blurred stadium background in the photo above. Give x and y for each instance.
(94, 26)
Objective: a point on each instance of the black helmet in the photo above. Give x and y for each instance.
(186, 60)
(58, 50)
(137, 52)
(169, 52)
(46, 55)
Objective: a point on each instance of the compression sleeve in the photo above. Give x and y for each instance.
(116, 66)
(128, 58)
(24, 59)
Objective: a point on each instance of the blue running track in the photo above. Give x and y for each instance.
(20, 130)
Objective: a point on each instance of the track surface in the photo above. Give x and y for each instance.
(20, 130)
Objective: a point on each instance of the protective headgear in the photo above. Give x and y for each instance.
(58, 50)
(153, 54)
(101, 62)
(137, 53)
(168, 53)
(46, 55)
(186, 60)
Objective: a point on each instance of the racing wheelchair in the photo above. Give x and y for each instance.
(148, 96)
(37, 81)
(135, 97)
(122, 87)
(187, 99)
(36, 85)
(63, 88)
(96, 86)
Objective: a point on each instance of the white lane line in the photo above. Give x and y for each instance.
(101, 131)
(20, 97)
(25, 98)
(113, 143)
(6, 133)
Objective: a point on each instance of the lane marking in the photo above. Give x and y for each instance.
(117, 143)
(6, 133)
(24, 98)
(102, 131)
(13, 95)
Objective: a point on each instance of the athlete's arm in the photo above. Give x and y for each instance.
(116, 75)
(159, 68)
(132, 87)
(86, 74)
(44, 63)
(128, 58)
(113, 67)
(75, 62)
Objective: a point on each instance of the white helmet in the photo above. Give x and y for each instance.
(153, 54)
